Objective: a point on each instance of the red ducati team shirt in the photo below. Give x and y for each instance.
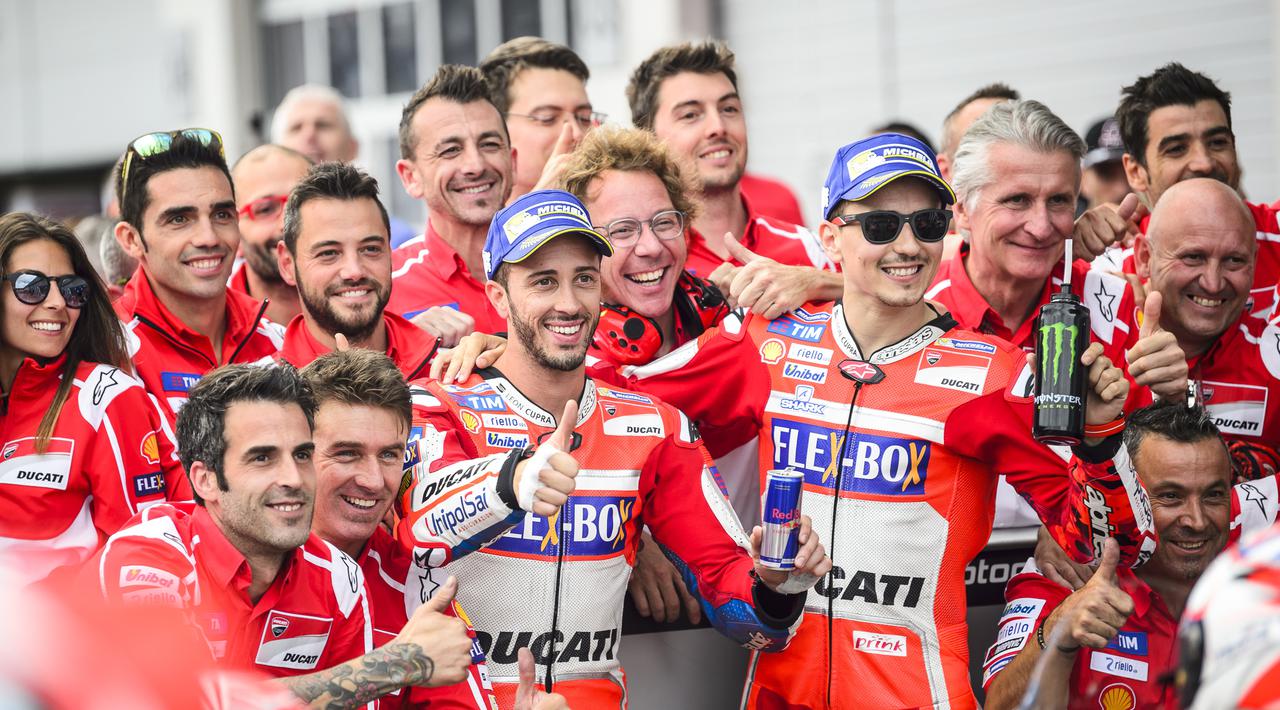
(394, 586)
(1125, 674)
(428, 272)
(783, 242)
(108, 458)
(410, 347)
(772, 198)
(170, 357)
(239, 280)
(312, 617)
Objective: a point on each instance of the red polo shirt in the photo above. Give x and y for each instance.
(781, 241)
(170, 357)
(313, 616)
(409, 346)
(772, 198)
(428, 272)
(1109, 298)
(1125, 674)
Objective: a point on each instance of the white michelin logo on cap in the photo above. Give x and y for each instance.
(517, 223)
(863, 162)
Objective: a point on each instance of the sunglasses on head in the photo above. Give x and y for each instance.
(151, 144)
(883, 226)
(32, 288)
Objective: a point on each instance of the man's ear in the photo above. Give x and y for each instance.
(204, 481)
(498, 297)
(409, 178)
(130, 239)
(1136, 175)
(828, 234)
(285, 264)
(960, 212)
(1142, 256)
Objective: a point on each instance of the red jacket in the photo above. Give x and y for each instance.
(772, 198)
(428, 272)
(781, 241)
(408, 345)
(170, 358)
(109, 457)
(313, 616)
(395, 587)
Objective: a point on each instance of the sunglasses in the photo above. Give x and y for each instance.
(153, 144)
(883, 226)
(32, 288)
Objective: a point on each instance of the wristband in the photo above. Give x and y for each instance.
(532, 477)
(1102, 431)
(1040, 640)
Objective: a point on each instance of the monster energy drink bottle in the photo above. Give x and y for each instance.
(1062, 335)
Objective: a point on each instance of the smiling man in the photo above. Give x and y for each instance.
(1114, 639)
(178, 220)
(457, 158)
(337, 253)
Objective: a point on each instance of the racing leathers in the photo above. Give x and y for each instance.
(912, 436)
(557, 586)
(109, 456)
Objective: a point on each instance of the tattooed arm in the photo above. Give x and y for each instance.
(433, 649)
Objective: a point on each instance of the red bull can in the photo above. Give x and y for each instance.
(780, 514)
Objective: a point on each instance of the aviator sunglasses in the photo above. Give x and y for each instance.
(150, 144)
(883, 226)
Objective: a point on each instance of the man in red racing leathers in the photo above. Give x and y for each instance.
(557, 583)
(921, 425)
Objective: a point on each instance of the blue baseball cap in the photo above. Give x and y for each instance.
(864, 166)
(527, 224)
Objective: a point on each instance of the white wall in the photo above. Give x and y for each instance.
(818, 74)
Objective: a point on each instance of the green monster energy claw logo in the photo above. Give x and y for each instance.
(1051, 339)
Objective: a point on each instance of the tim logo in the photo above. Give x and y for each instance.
(481, 402)
(801, 325)
(1131, 642)
(879, 465)
(178, 381)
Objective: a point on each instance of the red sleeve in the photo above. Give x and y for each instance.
(693, 377)
(691, 520)
(123, 462)
(143, 565)
(1029, 599)
(1081, 502)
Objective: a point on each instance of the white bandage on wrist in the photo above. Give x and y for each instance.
(797, 583)
(531, 480)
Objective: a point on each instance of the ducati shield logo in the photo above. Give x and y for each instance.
(279, 625)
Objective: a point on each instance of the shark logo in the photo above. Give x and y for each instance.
(106, 380)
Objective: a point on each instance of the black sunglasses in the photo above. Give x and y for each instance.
(883, 226)
(32, 287)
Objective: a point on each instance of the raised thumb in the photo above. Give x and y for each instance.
(737, 251)
(1128, 206)
(1110, 560)
(1151, 313)
(563, 436)
(443, 597)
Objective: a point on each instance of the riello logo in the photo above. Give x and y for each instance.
(1054, 338)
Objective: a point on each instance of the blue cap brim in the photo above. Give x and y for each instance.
(534, 242)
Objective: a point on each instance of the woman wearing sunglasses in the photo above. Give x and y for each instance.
(81, 443)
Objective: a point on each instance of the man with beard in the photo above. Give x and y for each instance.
(263, 178)
(178, 219)
(337, 253)
(1115, 637)
(564, 578)
(457, 158)
(241, 570)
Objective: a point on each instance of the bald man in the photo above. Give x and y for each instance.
(263, 178)
(1199, 252)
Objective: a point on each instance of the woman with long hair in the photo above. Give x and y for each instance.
(82, 445)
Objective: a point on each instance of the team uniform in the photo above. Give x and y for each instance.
(410, 347)
(1236, 381)
(781, 241)
(1131, 671)
(239, 280)
(428, 272)
(312, 617)
(558, 586)
(170, 357)
(948, 409)
(394, 586)
(109, 456)
(772, 198)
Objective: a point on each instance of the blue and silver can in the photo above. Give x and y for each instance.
(780, 513)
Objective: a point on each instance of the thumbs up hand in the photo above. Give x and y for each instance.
(1094, 614)
(1102, 226)
(1156, 361)
(768, 288)
(544, 482)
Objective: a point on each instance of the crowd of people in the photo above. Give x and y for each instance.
(337, 460)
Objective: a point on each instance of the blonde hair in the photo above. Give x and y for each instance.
(628, 149)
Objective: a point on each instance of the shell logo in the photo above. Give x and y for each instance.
(1117, 696)
(469, 420)
(772, 350)
(150, 449)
